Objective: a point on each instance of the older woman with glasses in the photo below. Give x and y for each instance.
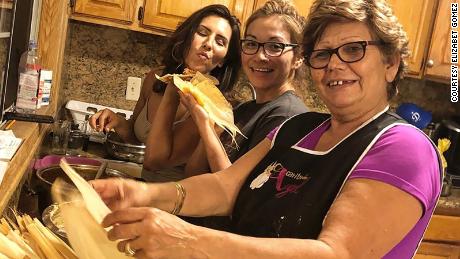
(356, 183)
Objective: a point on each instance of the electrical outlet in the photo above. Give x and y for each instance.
(133, 88)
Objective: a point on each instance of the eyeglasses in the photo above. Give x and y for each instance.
(272, 49)
(348, 52)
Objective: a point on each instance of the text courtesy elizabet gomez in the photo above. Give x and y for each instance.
(454, 52)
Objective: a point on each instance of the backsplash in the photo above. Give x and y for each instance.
(99, 59)
(429, 95)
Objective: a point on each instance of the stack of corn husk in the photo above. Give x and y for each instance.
(29, 238)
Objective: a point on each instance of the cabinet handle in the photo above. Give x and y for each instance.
(140, 13)
(430, 63)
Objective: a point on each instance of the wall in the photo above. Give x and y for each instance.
(99, 59)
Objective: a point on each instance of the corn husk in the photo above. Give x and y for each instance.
(93, 202)
(211, 99)
(46, 246)
(31, 242)
(4, 229)
(57, 243)
(203, 88)
(82, 212)
(443, 146)
(15, 236)
(10, 248)
(29, 238)
(188, 75)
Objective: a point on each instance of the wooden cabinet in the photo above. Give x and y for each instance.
(438, 59)
(425, 21)
(431, 250)
(116, 10)
(303, 6)
(168, 14)
(442, 239)
(152, 16)
(416, 17)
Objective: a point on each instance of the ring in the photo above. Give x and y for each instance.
(128, 250)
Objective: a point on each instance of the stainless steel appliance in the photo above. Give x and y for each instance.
(124, 151)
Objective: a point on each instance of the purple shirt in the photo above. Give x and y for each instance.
(404, 158)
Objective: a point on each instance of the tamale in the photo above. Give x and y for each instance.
(204, 90)
(211, 99)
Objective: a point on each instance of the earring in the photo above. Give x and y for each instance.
(173, 51)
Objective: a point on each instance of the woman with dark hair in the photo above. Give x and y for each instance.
(181, 40)
(208, 42)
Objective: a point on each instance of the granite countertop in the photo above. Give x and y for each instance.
(92, 149)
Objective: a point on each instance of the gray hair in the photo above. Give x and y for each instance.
(378, 16)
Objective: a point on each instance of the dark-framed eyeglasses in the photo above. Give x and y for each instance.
(348, 52)
(272, 49)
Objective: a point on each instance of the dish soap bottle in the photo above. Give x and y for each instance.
(29, 75)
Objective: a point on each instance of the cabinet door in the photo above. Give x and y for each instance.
(429, 250)
(416, 16)
(438, 65)
(168, 14)
(443, 228)
(302, 6)
(117, 10)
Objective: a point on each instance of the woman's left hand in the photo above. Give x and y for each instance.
(152, 233)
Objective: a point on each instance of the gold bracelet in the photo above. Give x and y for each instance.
(180, 198)
(177, 199)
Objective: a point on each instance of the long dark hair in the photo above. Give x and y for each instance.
(180, 42)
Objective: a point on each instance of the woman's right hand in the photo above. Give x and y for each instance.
(104, 120)
(198, 113)
(122, 193)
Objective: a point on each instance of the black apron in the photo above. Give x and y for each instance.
(302, 184)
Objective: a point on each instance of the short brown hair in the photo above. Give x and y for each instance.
(378, 16)
(288, 13)
(293, 21)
